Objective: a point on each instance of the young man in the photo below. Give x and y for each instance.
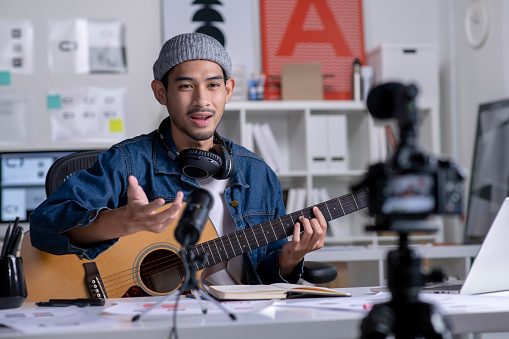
(120, 194)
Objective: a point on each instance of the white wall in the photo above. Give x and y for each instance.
(480, 74)
(400, 22)
(474, 76)
(143, 38)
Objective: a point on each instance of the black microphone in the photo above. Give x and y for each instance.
(194, 217)
(380, 100)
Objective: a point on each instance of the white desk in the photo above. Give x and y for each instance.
(272, 322)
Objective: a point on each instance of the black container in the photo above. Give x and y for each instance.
(13, 290)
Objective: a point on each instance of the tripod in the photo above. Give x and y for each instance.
(405, 315)
(189, 284)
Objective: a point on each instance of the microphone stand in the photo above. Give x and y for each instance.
(190, 283)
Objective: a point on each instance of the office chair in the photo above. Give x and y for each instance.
(66, 166)
(314, 272)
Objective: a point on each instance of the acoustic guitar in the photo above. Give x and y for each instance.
(147, 263)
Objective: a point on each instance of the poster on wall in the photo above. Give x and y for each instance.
(234, 23)
(87, 113)
(16, 46)
(81, 46)
(328, 32)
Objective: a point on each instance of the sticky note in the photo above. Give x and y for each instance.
(54, 101)
(116, 125)
(5, 78)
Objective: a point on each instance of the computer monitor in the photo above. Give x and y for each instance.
(22, 182)
(489, 179)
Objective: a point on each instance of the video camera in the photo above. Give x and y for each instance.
(410, 185)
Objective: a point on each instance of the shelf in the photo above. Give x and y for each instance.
(346, 106)
(349, 140)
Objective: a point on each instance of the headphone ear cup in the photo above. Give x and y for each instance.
(199, 164)
(228, 164)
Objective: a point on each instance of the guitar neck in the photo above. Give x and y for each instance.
(234, 244)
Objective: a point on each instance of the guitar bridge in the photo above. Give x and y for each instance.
(94, 281)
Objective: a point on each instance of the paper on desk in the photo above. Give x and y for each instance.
(53, 319)
(460, 304)
(187, 306)
(444, 303)
(353, 304)
(497, 294)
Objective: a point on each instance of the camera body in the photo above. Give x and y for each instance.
(411, 185)
(429, 187)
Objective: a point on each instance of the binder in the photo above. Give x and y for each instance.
(318, 142)
(337, 157)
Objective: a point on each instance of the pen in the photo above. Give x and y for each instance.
(18, 252)
(6, 241)
(14, 238)
(80, 302)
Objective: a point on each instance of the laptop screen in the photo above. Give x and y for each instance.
(22, 182)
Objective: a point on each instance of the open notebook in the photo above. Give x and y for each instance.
(489, 272)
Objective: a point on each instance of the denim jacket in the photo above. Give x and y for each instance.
(254, 189)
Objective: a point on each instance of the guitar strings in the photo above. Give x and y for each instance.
(174, 262)
(249, 235)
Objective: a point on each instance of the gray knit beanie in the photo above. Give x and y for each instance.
(191, 46)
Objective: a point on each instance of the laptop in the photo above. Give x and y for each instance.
(490, 269)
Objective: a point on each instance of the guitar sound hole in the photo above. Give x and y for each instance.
(161, 271)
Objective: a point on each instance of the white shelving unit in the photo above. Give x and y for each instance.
(289, 121)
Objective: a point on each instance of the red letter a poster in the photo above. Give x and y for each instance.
(328, 32)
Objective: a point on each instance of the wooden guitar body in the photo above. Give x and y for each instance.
(144, 263)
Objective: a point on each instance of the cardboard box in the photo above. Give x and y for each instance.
(302, 82)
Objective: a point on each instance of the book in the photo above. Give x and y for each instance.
(263, 147)
(300, 201)
(274, 149)
(291, 201)
(249, 142)
(273, 291)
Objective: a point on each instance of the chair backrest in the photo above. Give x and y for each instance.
(64, 167)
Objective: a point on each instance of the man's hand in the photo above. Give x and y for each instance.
(138, 215)
(141, 215)
(312, 238)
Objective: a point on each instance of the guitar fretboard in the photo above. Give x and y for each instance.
(234, 244)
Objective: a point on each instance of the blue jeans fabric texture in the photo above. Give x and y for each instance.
(79, 200)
